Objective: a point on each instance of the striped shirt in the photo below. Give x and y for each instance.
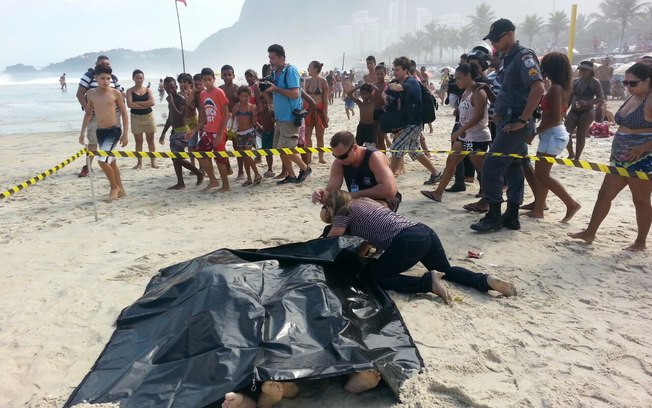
(494, 83)
(88, 81)
(372, 222)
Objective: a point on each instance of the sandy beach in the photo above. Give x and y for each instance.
(577, 335)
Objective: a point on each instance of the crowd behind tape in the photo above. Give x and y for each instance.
(582, 164)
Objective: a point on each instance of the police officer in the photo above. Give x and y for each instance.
(521, 92)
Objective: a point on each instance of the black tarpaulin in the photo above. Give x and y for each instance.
(221, 321)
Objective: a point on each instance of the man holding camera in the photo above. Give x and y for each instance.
(521, 92)
(285, 87)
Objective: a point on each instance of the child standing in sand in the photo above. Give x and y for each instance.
(102, 101)
(265, 126)
(180, 130)
(213, 114)
(245, 116)
(365, 134)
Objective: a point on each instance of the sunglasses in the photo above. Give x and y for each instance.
(631, 83)
(345, 155)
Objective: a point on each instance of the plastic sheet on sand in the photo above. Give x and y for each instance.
(221, 321)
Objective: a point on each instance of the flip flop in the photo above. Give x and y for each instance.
(476, 207)
(246, 183)
(431, 196)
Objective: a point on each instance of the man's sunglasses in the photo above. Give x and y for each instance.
(345, 155)
(631, 83)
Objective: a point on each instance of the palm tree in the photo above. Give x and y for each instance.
(557, 23)
(531, 26)
(482, 19)
(625, 12)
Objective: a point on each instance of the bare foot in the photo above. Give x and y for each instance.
(272, 393)
(361, 382)
(583, 235)
(571, 211)
(138, 167)
(209, 187)
(281, 176)
(322, 161)
(504, 287)
(636, 247)
(236, 400)
(114, 194)
(122, 193)
(177, 187)
(200, 179)
(534, 214)
(224, 190)
(240, 176)
(438, 287)
(154, 165)
(290, 390)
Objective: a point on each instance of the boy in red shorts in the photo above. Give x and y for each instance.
(213, 114)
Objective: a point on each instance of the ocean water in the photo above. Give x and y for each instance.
(38, 108)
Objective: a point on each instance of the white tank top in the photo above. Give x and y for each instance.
(480, 132)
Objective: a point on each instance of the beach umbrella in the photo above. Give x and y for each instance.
(621, 69)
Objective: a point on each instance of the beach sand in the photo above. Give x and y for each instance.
(578, 333)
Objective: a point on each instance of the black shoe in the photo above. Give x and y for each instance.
(434, 179)
(510, 218)
(491, 221)
(303, 175)
(456, 188)
(287, 180)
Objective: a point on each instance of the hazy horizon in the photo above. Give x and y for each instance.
(55, 32)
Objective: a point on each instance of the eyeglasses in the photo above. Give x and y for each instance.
(345, 155)
(631, 84)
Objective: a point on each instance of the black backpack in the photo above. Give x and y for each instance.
(429, 105)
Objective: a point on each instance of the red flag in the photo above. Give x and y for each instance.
(184, 2)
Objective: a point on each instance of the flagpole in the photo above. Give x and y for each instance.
(183, 57)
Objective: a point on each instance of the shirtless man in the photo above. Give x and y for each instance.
(101, 104)
(231, 91)
(370, 76)
(604, 73)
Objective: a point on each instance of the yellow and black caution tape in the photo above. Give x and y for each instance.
(582, 164)
(43, 175)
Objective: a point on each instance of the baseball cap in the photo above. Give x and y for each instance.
(498, 29)
(588, 65)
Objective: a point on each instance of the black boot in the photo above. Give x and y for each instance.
(491, 221)
(510, 218)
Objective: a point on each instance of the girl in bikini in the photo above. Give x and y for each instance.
(317, 88)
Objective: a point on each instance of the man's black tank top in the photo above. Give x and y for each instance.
(361, 177)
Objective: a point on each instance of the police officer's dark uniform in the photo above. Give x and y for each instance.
(520, 71)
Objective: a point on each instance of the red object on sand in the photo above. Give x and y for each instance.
(474, 254)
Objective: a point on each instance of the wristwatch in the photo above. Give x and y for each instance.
(523, 121)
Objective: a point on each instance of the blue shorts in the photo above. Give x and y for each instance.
(349, 104)
(553, 141)
(107, 139)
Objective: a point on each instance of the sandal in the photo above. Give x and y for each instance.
(257, 180)
(531, 207)
(430, 195)
(477, 207)
(246, 183)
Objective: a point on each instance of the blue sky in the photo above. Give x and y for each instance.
(38, 32)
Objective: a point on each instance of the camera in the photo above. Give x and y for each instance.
(265, 82)
(298, 115)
